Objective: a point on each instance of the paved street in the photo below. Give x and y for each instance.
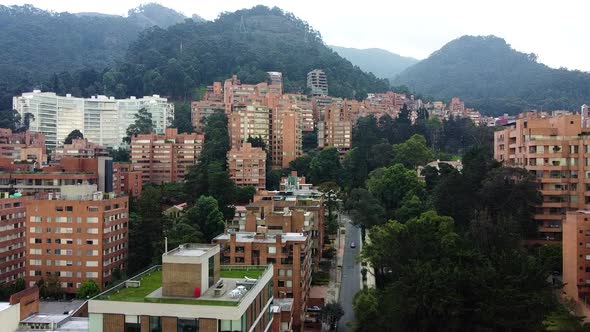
(351, 273)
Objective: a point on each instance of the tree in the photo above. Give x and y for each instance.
(87, 290)
(75, 134)
(364, 209)
(325, 166)
(309, 141)
(182, 232)
(120, 155)
(331, 313)
(244, 195)
(413, 152)
(50, 287)
(366, 310)
(9, 119)
(391, 184)
(206, 217)
(182, 118)
(411, 207)
(145, 230)
(301, 165)
(143, 125)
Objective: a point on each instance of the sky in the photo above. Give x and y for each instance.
(557, 31)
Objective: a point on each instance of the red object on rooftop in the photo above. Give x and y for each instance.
(197, 291)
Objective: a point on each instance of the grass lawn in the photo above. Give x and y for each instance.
(149, 283)
(241, 273)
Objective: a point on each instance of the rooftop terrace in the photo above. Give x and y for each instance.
(147, 287)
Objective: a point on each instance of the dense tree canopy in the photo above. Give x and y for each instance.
(75, 134)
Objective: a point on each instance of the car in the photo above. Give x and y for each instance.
(352, 245)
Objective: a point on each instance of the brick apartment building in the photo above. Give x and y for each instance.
(165, 158)
(79, 236)
(556, 150)
(79, 148)
(247, 166)
(290, 255)
(335, 127)
(286, 140)
(12, 237)
(126, 180)
(249, 121)
(201, 110)
(24, 146)
(576, 259)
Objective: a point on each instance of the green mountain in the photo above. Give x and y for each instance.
(380, 62)
(488, 74)
(177, 61)
(151, 14)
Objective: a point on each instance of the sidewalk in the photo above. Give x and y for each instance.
(371, 272)
(336, 269)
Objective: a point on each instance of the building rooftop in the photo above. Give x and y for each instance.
(191, 250)
(234, 283)
(270, 238)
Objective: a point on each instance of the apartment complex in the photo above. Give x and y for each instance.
(103, 120)
(335, 127)
(247, 166)
(287, 129)
(201, 110)
(576, 259)
(25, 146)
(80, 235)
(555, 149)
(12, 236)
(165, 158)
(317, 82)
(290, 255)
(79, 148)
(190, 291)
(249, 121)
(126, 180)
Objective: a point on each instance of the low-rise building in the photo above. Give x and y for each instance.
(289, 254)
(79, 148)
(190, 291)
(576, 260)
(23, 146)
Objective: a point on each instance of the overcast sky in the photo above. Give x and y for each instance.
(557, 31)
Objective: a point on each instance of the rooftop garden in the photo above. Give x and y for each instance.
(151, 280)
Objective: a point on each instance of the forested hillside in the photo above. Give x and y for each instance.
(382, 63)
(85, 55)
(491, 76)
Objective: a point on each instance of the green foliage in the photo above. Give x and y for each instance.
(120, 155)
(87, 290)
(205, 217)
(183, 232)
(75, 134)
(366, 310)
(7, 290)
(245, 195)
(413, 152)
(494, 78)
(182, 118)
(301, 165)
(390, 185)
(364, 209)
(10, 119)
(331, 313)
(143, 125)
(309, 141)
(325, 166)
(50, 287)
(172, 193)
(145, 230)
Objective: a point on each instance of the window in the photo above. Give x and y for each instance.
(188, 325)
(132, 323)
(155, 324)
(226, 325)
(272, 250)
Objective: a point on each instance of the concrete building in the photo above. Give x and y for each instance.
(79, 148)
(165, 158)
(289, 254)
(12, 236)
(103, 120)
(286, 140)
(247, 166)
(554, 149)
(190, 291)
(317, 82)
(80, 235)
(24, 146)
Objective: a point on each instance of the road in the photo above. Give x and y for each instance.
(351, 273)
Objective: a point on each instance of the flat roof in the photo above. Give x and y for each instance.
(150, 287)
(270, 238)
(4, 305)
(191, 250)
(44, 318)
(59, 307)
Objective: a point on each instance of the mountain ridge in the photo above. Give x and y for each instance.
(381, 62)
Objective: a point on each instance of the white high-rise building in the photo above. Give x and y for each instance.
(317, 82)
(102, 120)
